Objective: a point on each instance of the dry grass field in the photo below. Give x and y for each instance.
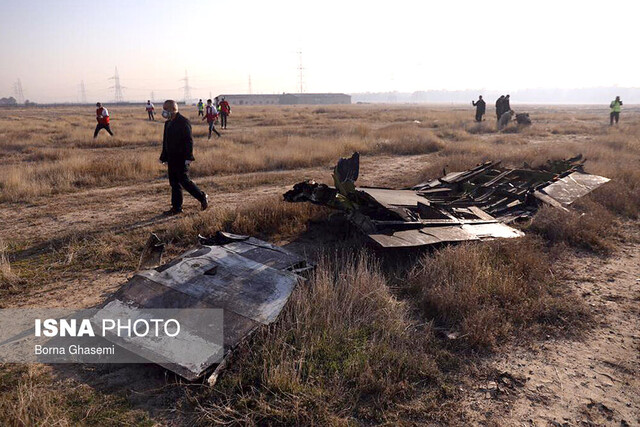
(543, 328)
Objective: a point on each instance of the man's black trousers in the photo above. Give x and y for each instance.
(479, 116)
(614, 116)
(101, 126)
(223, 120)
(179, 179)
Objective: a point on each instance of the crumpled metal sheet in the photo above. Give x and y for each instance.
(469, 205)
(249, 278)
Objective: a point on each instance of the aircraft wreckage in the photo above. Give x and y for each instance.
(252, 280)
(475, 204)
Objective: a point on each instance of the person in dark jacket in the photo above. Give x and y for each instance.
(481, 107)
(506, 106)
(500, 106)
(177, 153)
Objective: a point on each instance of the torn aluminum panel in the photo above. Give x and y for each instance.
(568, 189)
(469, 205)
(445, 234)
(250, 279)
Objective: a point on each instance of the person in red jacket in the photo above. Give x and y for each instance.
(225, 110)
(211, 114)
(102, 116)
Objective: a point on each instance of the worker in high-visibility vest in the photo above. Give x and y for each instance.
(200, 108)
(616, 107)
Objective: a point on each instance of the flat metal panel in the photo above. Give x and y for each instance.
(573, 186)
(140, 292)
(246, 287)
(267, 254)
(423, 236)
(191, 356)
(395, 197)
(496, 230)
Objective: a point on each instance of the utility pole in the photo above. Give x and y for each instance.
(117, 95)
(17, 90)
(249, 84)
(83, 93)
(187, 88)
(300, 70)
(152, 97)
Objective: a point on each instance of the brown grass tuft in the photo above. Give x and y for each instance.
(8, 279)
(491, 291)
(269, 218)
(587, 226)
(343, 350)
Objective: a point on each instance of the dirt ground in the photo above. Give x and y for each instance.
(590, 381)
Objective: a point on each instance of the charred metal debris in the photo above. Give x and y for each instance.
(475, 204)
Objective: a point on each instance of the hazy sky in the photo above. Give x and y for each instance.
(347, 46)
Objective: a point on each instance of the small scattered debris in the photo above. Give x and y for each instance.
(475, 204)
(152, 253)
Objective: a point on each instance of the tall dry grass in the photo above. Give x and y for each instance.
(491, 292)
(8, 278)
(29, 397)
(268, 218)
(343, 351)
(38, 146)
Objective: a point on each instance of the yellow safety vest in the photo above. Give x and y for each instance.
(616, 107)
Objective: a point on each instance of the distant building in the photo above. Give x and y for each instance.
(287, 99)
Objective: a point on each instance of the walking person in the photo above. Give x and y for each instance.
(177, 153)
(481, 107)
(616, 107)
(211, 115)
(225, 110)
(200, 108)
(102, 116)
(500, 107)
(150, 110)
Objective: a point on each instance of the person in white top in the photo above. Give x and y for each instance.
(102, 116)
(150, 110)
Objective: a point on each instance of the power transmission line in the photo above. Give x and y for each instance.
(300, 70)
(187, 88)
(117, 95)
(17, 90)
(83, 93)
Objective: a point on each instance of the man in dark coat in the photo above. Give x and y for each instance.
(500, 106)
(177, 153)
(505, 104)
(481, 107)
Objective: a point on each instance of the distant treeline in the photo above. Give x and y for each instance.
(601, 95)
